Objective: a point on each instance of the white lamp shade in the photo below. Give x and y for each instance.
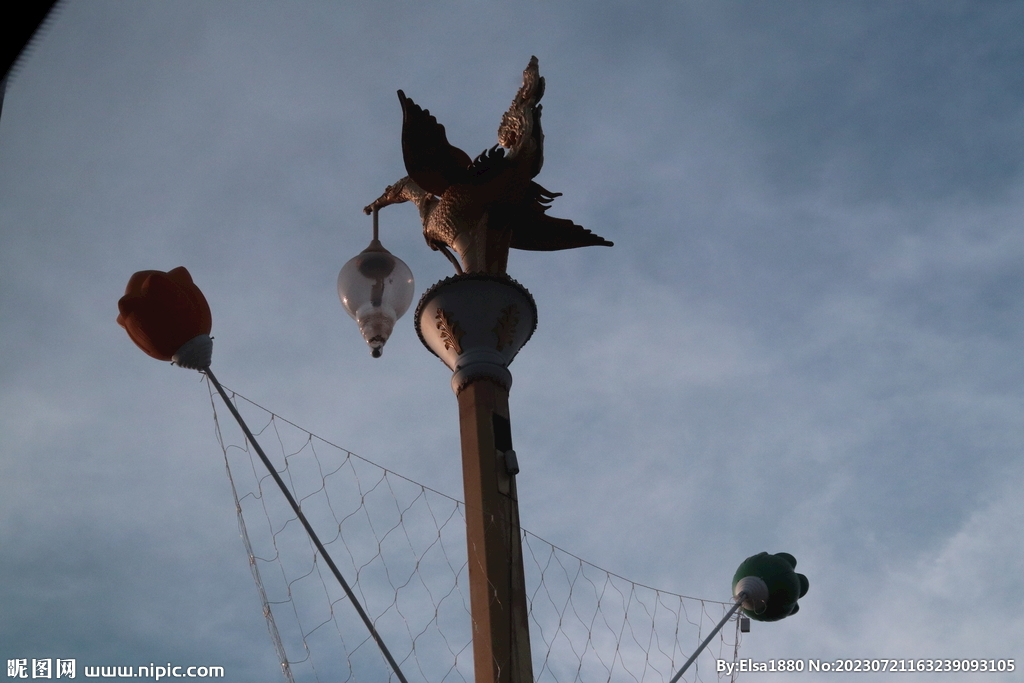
(375, 288)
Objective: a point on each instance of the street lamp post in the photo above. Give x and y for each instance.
(476, 322)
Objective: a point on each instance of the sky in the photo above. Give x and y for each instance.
(806, 339)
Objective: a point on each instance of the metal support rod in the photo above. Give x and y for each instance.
(739, 602)
(376, 226)
(305, 523)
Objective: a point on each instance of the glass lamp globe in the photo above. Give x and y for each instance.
(375, 288)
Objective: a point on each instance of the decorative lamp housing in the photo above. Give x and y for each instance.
(376, 289)
(167, 316)
(476, 323)
(782, 586)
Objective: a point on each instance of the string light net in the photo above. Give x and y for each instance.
(401, 547)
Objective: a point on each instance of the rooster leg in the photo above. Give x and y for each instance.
(441, 247)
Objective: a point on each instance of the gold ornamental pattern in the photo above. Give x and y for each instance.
(505, 330)
(451, 332)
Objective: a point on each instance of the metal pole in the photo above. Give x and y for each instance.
(501, 637)
(728, 615)
(476, 323)
(305, 524)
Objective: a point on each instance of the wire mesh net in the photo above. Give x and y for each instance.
(401, 547)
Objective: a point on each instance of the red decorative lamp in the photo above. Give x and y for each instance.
(167, 316)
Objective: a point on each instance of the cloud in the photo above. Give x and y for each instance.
(806, 338)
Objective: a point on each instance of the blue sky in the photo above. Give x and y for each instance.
(807, 337)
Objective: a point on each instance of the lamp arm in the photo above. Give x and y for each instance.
(305, 523)
(740, 598)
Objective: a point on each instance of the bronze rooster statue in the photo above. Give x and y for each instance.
(482, 207)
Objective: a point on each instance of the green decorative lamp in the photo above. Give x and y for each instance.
(766, 587)
(782, 585)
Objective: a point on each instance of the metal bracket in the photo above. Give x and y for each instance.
(511, 463)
